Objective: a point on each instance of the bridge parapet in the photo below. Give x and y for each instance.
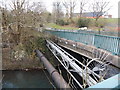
(109, 43)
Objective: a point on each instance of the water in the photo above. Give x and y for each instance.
(111, 69)
(25, 79)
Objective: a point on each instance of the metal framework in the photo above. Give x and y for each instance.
(71, 64)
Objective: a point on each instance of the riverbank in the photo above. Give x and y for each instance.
(21, 56)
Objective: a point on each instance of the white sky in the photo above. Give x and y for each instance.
(113, 11)
(48, 3)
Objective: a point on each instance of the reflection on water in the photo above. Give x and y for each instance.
(23, 79)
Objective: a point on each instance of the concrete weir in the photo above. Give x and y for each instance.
(88, 51)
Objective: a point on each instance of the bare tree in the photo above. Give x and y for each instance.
(4, 12)
(4, 18)
(18, 9)
(37, 9)
(66, 5)
(99, 8)
(57, 10)
(70, 7)
(82, 5)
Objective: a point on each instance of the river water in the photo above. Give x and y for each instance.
(25, 79)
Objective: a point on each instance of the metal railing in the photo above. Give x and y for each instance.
(109, 33)
(109, 43)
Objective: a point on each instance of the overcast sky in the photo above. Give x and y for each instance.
(48, 3)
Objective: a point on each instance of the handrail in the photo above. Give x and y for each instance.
(109, 43)
(89, 31)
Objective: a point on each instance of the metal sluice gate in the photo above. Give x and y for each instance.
(91, 71)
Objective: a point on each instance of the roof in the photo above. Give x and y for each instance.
(88, 14)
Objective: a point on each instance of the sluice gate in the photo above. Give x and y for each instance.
(92, 71)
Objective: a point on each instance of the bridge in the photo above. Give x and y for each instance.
(99, 53)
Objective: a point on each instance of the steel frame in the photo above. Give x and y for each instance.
(68, 60)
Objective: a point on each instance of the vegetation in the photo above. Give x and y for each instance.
(22, 56)
(83, 22)
(87, 22)
(60, 22)
(52, 25)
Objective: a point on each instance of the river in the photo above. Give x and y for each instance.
(25, 79)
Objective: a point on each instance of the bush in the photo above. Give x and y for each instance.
(33, 43)
(66, 23)
(60, 22)
(41, 25)
(100, 23)
(82, 22)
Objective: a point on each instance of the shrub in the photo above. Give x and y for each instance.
(60, 22)
(33, 43)
(66, 23)
(41, 25)
(83, 22)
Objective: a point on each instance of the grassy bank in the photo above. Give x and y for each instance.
(110, 24)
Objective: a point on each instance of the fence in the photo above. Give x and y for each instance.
(110, 33)
(109, 43)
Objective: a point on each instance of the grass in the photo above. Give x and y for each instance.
(112, 20)
(52, 25)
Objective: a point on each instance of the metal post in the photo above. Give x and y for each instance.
(57, 78)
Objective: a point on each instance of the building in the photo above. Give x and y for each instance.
(91, 15)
